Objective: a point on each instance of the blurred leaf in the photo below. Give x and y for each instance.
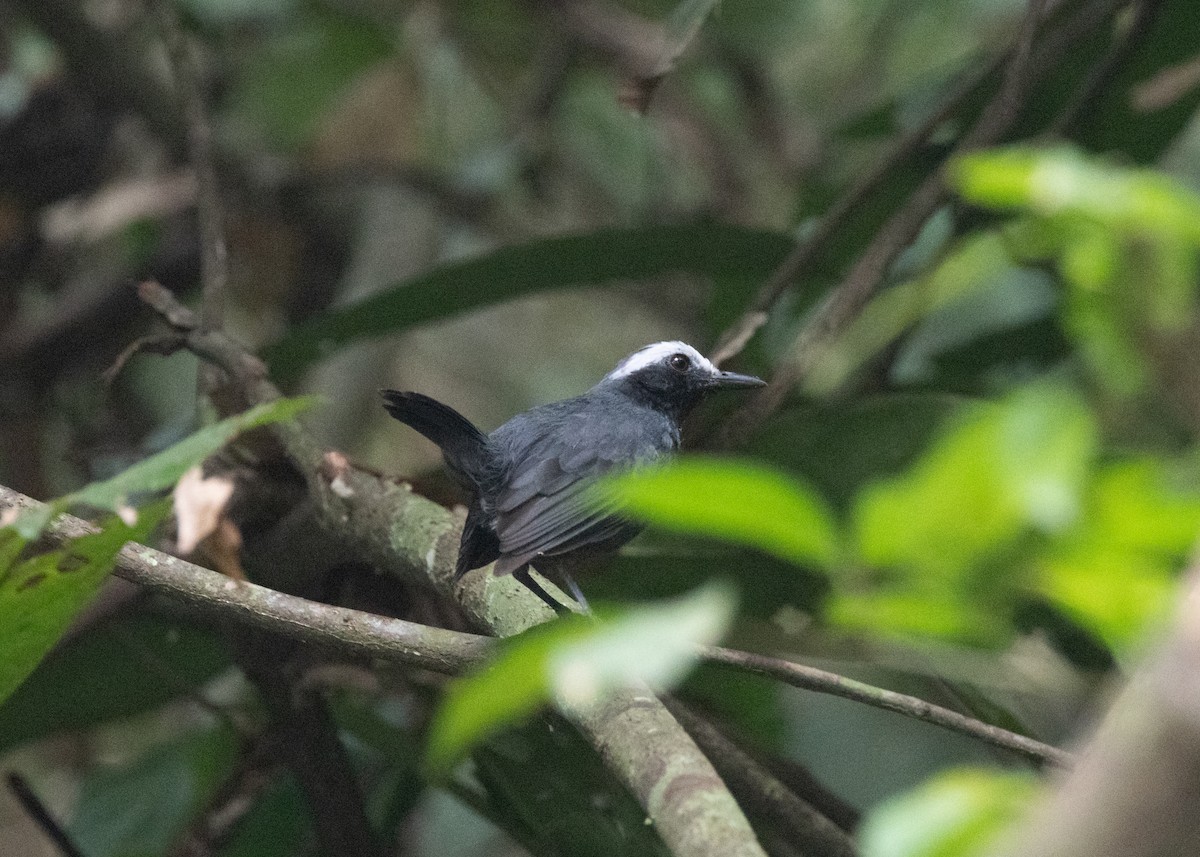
(683, 25)
(40, 595)
(652, 645)
(112, 671)
(549, 783)
(577, 659)
(711, 250)
(1117, 122)
(164, 469)
(658, 566)
(1063, 181)
(1118, 569)
(735, 500)
(753, 705)
(141, 808)
(958, 814)
(1006, 467)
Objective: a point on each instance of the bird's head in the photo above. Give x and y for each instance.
(674, 375)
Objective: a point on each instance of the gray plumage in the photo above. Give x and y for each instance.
(530, 477)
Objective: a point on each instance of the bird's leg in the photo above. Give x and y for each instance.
(576, 592)
(522, 574)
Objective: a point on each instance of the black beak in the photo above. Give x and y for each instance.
(733, 379)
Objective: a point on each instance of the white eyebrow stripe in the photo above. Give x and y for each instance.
(644, 357)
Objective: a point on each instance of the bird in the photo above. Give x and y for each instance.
(530, 478)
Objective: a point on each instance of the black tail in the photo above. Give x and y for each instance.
(463, 445)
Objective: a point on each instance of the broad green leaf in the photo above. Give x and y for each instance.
(577, 660)
(1115, 593)
(735, 500)
(1007, 467)
(958, 814)
(113, 671)
(164, 469)
(142, 808)
(652, 645)
(932, 614)
(712, 250)
(279, 824)
(41, 594)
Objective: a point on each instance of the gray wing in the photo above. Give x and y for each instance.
(544, 509)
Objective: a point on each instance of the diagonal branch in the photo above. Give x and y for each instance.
(364, 635)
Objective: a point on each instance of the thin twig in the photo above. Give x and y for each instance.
(822, 681)
(358, 634)
(214, 255)
(41, 816)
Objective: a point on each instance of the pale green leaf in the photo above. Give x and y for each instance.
(1063, 181)
(576, 660)
(959, 814)
(1008, 467)
(649, 645)
(734, 500)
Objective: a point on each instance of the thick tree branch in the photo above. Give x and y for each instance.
(354, 633)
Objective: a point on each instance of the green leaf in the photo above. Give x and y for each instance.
(112, 671)
(279, 823)
(959, 814)
(1006, 467)
(652, 645)
(141, 808)
(1062, 181)
(734, 500)
(41, 594)
(164, 469)
(712, 250)
(578, 660)
(1117, 570)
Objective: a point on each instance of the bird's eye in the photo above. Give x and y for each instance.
(680, 362)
